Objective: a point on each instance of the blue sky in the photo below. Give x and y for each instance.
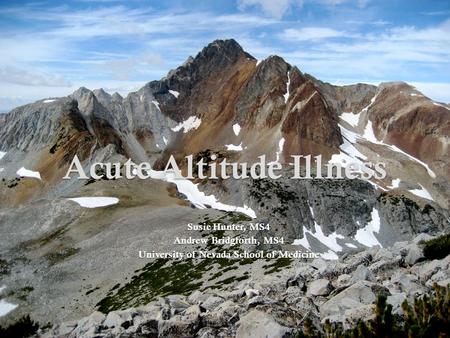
(50, 48)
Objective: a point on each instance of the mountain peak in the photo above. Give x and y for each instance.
(116, 97)
(81, 92)
(227, 45)
(215, 57)
(100, 91)
(228, 49)
(102, 96)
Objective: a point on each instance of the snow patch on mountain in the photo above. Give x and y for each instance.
(368, 134)
(286, 96)
(94, 202)
(366, 236)
(6, 307)
(303, 241)
(330, 255)
(424, 193)
(49, 101)
(156, 103)
(329, 241)
(2, 154)
(234, 147)
(236, 129)
(198, 198)
(396, 149)
(280, 150)
(174, 93)
(441, 105)
(193, 122)
(350, 118)
(395, 183)
(350, 153)
(22, 172)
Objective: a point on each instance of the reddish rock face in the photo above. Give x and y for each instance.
(414, 124)
(225, 85)
(311, 128)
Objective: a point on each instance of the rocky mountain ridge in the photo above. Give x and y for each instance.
(226, 102)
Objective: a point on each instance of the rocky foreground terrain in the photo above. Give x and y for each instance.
(276, 305)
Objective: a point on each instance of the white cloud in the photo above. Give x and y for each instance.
(9, 102)
(398, 53)
(331, 2)
(359, 3)
(277, 8)
(10, 98)
(310, 34)
(437, 91)
(363, 3)
(124, 68)
(135, 23)
(68, 47)
(55, 53)
(437, 13)
(31, 77)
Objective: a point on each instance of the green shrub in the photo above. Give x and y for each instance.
(437, 248)
(428, 317)
(24, 327)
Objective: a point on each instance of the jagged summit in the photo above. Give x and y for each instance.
(212, 59)
(227, 48)
(102, 95)
(81, 91)
(117, 97)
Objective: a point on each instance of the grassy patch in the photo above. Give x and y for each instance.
(4, 268)
(23, 293)
(437, 248)
(58, 256)
(266, 190)
(159, 278)
(232, 280)
(45, 239)
(276, 266)
(92, 290)
(164, 277)
(402, 199)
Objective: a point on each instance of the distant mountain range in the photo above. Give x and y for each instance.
(221, 101)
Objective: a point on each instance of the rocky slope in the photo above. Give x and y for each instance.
(276, 305)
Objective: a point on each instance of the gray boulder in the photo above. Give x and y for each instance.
(212, 302)
(320, 287)
(258, 324)
(355, 296)
(415, 254)
(362, 273)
